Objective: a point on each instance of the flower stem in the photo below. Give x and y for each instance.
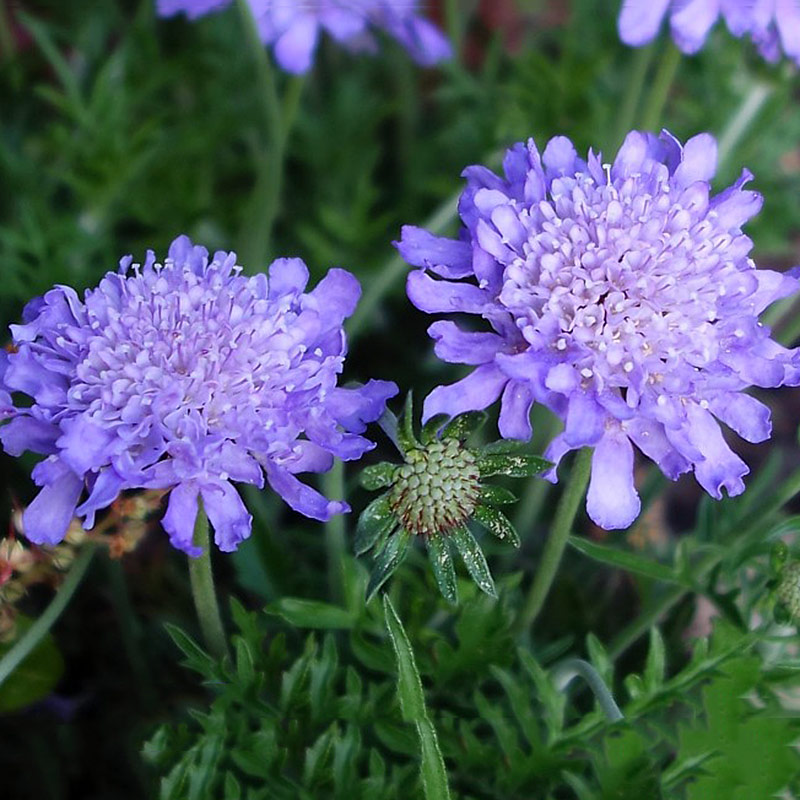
(633, 92)
(335, 539)
(567, 670)
(277, 120)
(203, 592)
(559, 535)
(753, 101)
(38, 630)
(667, 69)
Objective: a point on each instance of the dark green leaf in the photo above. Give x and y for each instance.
(496, 496)
(388, 560)
(443, 570)
(376, 521)
(632, 562)
(474, 559)
(197, 659)
(497, 523)
(311, 614)
(502, 447)
(464, 425)
(378, 476)
(515, 466)
(655, 666)
(405, 433)
(432, 428)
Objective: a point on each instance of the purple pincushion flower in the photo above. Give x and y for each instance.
(621, 297)
(772, 24)
(185, 377)
(293, 27)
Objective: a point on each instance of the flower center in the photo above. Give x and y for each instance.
(437, 489)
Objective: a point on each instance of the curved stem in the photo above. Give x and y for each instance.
(567, 670)
(659, 92)
(559, 535)
(38, 630)
(203, 592)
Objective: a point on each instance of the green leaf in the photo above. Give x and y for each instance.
(388, 560)
(655, 665)
(376, 520)
(412, 707)
(496, 496)
(432, 427)
(474, 559)
(311, 614)
(464, 425)
(497, 523)
(443, 570)
(35, 676)
(515, 466)
(502, 447)
(378, 476)
(197, 659)
(405, 432)
(600, 659)
(622, 559)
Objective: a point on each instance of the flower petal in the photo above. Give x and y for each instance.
(474, 393)
(47, 518)
(446, 257)
(639, 20)
(461, 347)
(227, 514)
(294, 50)
(612, 501)
(433, 296)
(303, 498)
(179, 519)
(515, 411)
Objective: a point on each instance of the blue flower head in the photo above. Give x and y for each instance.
(185, 376)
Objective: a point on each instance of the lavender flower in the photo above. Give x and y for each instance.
(186, 377)
(621, 297)
(293, 27)
(771, 24)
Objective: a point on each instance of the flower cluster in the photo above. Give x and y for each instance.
(772, 24)
(622, 297)
(435, 495)
(293, 27)
(186, 376)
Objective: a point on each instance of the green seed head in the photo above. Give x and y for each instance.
(437, 488)
(787, 592)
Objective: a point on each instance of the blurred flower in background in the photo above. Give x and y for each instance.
(186, 377)
(293, 27)
(774, 25)
(621, 297)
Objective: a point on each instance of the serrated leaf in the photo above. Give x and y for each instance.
(514, 466)
(376, 521)
(496, 496)
(387, 561)
(378, 476)
(311, 614)
(464, 425)
(622, 559)
(443, 570)
(474, 559)
(497, 524)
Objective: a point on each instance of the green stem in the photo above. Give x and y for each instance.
(633, 92)
(559, 535)
(659, 92)
(573, 667)
(753, 101)
(335, 535)
(278, 120)
(203, 592)
(38, 630)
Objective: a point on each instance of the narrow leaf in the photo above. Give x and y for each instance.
(405, 432)
(497, 496)
(497, 523)
(311, 614)
(632, 562)
(432, 427)
(376, 520)
(474, 560)
(387, 561)
(378, 476)
(655, 664)
(502, 447)
(515, 466)
(434, 774)
(464, 425)
(443, 569)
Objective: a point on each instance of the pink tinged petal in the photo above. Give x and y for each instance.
(287, 276)
(294, 50)
(612, 501)
(691, 22)
(699, 162)
(585, 421)
(227, 514)
(302, 498)
(47, 518)
(180, 517)
(559, 157)
(787, 19)
(744, 414)
(461, 347)
(640, 20)
(448, 258)
(474, 393)
(84, 445)
(434, 296)
(515, 411)
(720, 467)
(650, 438)
(26, 433)
(337, 295)
(106, 489)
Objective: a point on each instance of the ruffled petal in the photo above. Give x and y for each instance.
(47, 518)
(353, 408)
(227, 514)
(744, 414)
(612, 501)
(84, 444)
(27, 433)
(448, 258)
(461, 347)
(303, 498)
(104, 492)
(179, 519)
(434, 296)
(515, 411)
(337, 295)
